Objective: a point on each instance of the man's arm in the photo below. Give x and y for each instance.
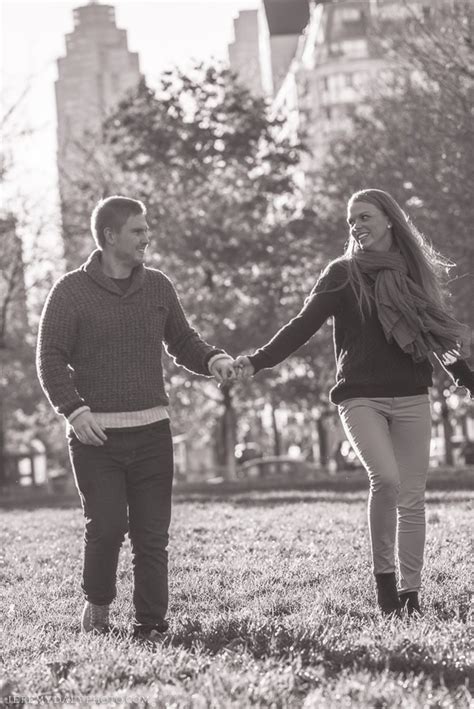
(186, 346)
(56, 338)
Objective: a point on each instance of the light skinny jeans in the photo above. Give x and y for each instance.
(391, 437)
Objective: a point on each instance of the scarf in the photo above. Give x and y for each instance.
(407, 315)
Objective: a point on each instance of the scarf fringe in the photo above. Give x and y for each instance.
(408, 316)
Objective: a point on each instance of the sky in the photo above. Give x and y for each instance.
(163, 32)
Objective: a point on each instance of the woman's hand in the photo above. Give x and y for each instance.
(243, 367)
(449, 357)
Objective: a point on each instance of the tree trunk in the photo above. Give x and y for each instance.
(229, 434)
(3, 461)
(276, 433)
(448, 432)
(323, 444)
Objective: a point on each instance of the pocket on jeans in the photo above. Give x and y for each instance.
(71, 438)
(75, 447)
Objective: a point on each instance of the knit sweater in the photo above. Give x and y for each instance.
(366, 364)
(101, 347)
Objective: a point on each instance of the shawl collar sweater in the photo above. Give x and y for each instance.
(101, 347)
(366, 364)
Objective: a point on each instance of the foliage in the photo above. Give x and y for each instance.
(207, 160)
(228, 224)
(272, 604)
(25, 276)
(414, 137)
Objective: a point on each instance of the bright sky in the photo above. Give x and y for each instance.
(163, 32)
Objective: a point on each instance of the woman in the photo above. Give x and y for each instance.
(386, 298)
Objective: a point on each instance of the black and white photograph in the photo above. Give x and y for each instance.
(236, 354)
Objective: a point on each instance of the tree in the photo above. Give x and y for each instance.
(414, 137)
(227, 220)
(23, 283)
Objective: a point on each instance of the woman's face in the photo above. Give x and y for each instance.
(369, 226)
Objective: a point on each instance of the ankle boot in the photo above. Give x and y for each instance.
(409, 602)
(387, 595)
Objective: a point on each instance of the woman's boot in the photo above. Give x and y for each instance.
(387, 594)
(409, 602)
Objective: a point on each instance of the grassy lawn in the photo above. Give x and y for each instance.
(272, 605)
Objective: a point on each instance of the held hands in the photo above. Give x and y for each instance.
(243, 368)
(222, 369)
(226, 370)
(88, 430)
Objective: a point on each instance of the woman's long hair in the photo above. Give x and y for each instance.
(426, 266)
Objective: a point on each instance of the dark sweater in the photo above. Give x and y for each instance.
(101, 347)
(366, 364)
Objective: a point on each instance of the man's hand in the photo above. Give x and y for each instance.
(222, 369)
(243, 367)
(88, 430)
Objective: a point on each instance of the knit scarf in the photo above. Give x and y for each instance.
(407, 315)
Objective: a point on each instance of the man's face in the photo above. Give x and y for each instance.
(130, 243)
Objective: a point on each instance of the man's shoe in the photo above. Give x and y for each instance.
(387, 595)
(409, 603)
(95, 618)
(152, 634)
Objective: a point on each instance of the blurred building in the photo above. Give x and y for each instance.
(246, 52)
(95, 74)
(286, 21)
(266, 42)
(330, 73)
(322, 62)
(335, 67)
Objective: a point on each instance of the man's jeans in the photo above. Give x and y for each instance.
(391, 437)
(131, 473)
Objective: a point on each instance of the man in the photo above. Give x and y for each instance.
(99, 363)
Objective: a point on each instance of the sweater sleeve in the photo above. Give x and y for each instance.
(182, 341)
(461, 374)
(56, 338)
(321, 304)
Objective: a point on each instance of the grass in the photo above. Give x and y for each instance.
(272, 605)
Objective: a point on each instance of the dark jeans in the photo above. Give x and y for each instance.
(125, 485)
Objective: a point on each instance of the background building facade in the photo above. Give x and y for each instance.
(322, 62)
(95, 74)
(266, 42)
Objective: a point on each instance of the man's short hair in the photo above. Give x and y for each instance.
(113, 212)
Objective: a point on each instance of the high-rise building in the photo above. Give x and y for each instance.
(334, 68)
(266, 42)
(286, 20)
(97, 71)
(245, 51)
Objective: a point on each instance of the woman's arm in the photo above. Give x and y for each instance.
(318, 307)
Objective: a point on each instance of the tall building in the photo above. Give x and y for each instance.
(95, 74)
(286, 20)
(266, 42)
(334, 68)
(245, 51)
